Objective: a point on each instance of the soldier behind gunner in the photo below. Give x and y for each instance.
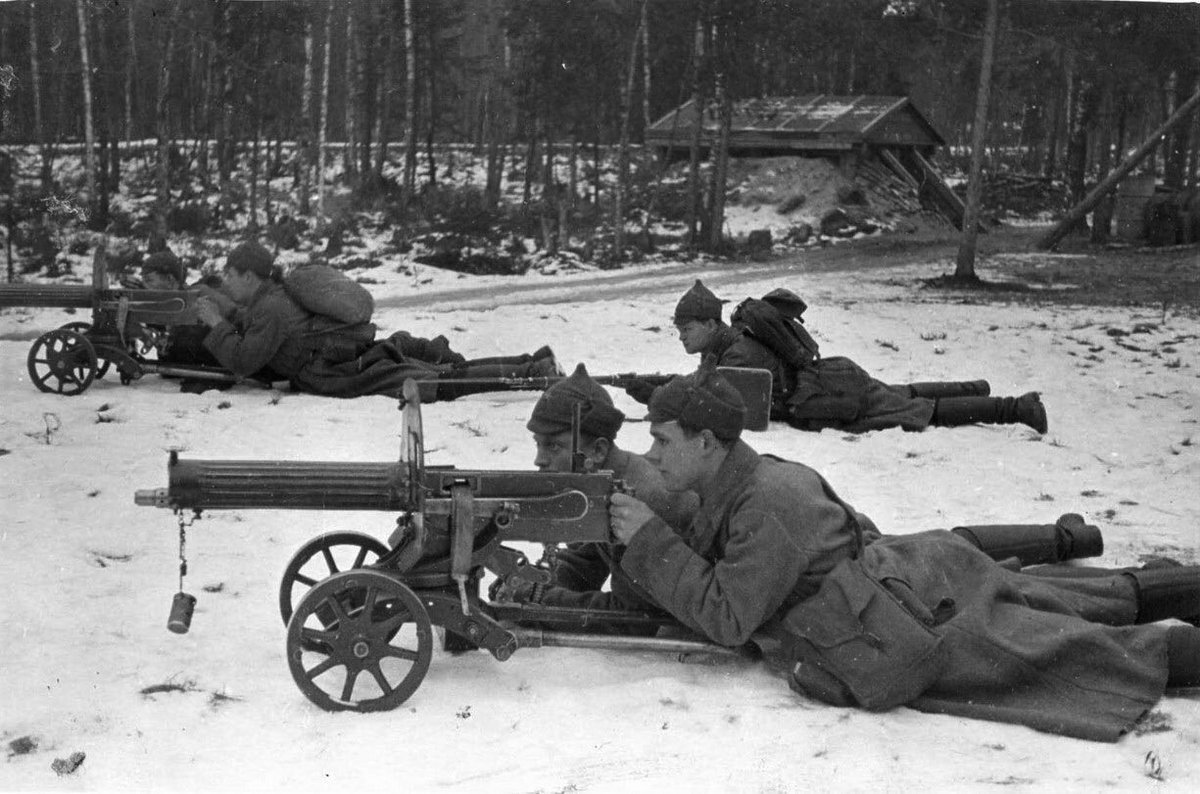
(581, 570)
(835, 392)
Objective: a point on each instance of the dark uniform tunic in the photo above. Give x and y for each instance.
(925, 620)
(274, 335)
(835, 392)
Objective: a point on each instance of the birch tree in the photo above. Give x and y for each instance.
(623, 149)
(39, 131)
(89, 129)
(305, 136)
(163, 134)
(130, 68)
(323, 127)
(410, 102)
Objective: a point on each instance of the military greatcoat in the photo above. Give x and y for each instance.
(926, 620)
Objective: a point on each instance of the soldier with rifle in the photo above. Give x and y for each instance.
(773, 555)
(811, 392)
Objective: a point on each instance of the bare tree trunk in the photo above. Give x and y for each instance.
(645, 69)
(410, 103)
(351, 46)
(716, 210)
(495, 155)
(1194, 157)
(305, 138)
(623, 150)
(226, 146)
(388, 54)
(202, 158)
(431, 109)
(45, 172)
(1176, 149)
(163, 171)
(1102, 217)
(965, 266)
(323, 127)
(1054, 126)
(89, 130)
(130, 69)
(252, 221)
(698, 56)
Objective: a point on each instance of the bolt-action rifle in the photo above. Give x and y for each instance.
(753, 384)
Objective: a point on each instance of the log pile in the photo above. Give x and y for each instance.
(1008, 193)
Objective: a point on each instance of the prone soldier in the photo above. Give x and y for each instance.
(811, 392)
(269, 331)
(927, 620)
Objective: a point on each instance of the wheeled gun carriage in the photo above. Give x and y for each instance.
(376, 616)
(126, 325)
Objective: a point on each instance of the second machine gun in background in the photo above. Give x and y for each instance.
(376, 617)
(126, 325)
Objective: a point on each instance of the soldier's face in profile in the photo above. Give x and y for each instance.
(678, 457)
(554, 452)
(155, 279)
(696, 334)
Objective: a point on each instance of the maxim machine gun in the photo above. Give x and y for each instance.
(127, 324)
(376, 615)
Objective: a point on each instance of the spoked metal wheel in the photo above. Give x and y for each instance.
(81, 327)
(62, 362)
(353, 623)
(322, 557)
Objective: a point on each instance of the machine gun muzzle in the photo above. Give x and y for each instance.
(277, 485)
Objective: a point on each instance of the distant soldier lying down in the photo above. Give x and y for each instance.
(263, 332)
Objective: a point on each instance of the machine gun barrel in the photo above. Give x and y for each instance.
(277, 485)
(64, 296)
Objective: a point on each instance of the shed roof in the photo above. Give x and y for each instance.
(816, 121)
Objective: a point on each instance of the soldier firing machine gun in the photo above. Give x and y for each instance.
(127, 324)
(377, 616)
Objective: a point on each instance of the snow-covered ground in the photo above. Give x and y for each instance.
(87, 664)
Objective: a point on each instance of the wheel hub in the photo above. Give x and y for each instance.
(361, 649)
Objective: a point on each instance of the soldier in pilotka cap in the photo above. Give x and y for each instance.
(812, 392)
(581, 570)
(774, 555)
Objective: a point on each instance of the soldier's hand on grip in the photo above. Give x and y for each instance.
(626, 515)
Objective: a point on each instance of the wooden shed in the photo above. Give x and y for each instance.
(855, 131)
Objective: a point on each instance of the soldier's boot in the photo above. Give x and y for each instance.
(1026, 409)
(1069, 538)
(1183, 656)
(937, 390)
(457, 382)
(1168, 592)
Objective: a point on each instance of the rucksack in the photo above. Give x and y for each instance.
(775, 321)
(328, 291)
